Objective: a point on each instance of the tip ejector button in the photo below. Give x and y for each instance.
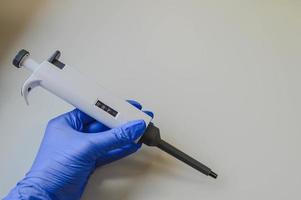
(19, 57)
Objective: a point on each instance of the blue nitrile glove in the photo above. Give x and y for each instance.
(74, 144)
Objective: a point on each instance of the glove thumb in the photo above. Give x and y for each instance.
(118, 137)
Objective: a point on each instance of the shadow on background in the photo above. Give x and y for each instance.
(120, 180)
(14, 16)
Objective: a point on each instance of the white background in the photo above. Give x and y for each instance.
(222, 77)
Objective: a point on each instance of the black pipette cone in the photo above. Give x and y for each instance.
(152, 137)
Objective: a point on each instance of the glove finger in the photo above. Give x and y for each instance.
(149, 113)
(139, 106)
(96, 127)
(117, 137)
(78, 119)
(117, 154)
(135, 104)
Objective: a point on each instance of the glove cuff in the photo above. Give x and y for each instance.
(24, 190)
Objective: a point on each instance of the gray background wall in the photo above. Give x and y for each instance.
(223, 78)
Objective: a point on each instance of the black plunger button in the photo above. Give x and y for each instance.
(19, 57)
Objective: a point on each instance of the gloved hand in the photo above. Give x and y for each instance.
(74, 144)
